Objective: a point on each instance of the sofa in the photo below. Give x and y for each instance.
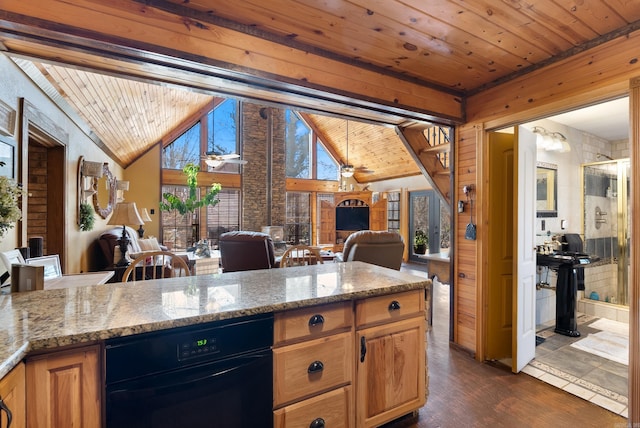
(245, 250)
(377, 247)
(109, 247)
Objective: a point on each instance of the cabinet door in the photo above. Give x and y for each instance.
(63, 389)
(327, 223)
(378, 215)
(12, 393)
(390, 371)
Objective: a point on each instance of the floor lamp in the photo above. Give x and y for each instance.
(124, 213)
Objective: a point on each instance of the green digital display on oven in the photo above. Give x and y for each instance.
(201, 342)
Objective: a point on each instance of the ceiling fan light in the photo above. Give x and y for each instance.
(347, 171)
(213, 163)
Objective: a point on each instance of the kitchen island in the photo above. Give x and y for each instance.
(42, 321)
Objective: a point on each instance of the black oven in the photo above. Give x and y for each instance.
(209, 375)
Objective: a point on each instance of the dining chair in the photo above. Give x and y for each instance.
(156, 265)
(301, 255)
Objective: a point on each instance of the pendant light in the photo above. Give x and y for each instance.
(347, 170)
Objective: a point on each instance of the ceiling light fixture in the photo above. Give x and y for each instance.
(550, 141)
(347, 169)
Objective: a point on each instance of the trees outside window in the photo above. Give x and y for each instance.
(306, 157)
(297, 228)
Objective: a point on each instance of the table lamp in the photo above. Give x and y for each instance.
(144, 215)
(125, 213)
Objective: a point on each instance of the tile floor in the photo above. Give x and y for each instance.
(591, 377)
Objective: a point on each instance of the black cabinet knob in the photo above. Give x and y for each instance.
(317, 423)
(315, 367)
(394, 306)
(316, 320)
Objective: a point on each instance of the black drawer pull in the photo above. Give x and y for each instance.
(317, 423)
(315, 367)
(394, 306)
(363, 348)
(4, 407)
(316, 320)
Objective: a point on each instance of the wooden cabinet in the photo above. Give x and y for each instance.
(313, 366)
(366, 379)
(349, 201)
(391, 368)
(12, 394)
(63, 389)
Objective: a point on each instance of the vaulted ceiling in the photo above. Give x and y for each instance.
(460, 47)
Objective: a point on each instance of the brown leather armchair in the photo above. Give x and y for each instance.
(380, 248)
(244, 250)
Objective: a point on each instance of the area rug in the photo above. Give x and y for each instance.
(611, 326)
(606, 344)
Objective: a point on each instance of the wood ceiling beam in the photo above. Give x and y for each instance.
(149, 35)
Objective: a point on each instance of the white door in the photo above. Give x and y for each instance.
(524, 340)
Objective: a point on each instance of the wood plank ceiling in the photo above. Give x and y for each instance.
(461, 47)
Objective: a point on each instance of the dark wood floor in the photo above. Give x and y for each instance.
(467, 393)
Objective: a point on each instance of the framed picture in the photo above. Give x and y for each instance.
(8, 158)
(51, 265)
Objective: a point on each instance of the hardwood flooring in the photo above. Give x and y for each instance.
(466, 393)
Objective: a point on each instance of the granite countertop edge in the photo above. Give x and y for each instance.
(47, 343)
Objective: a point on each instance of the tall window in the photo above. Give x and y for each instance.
(222, 133)
(184, 149)
(224, 217)
(298, 220)
(216, 132)
(306, 157)
(178, 231)
(393, 211)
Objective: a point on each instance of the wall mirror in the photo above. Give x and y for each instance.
(546, 190)
(104, 200)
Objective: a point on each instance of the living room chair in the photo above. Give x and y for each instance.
(301, 255)
(156, 265)
(380, 248)
(244, 250)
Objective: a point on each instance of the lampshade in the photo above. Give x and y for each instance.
(347, 171)
(145, 215)
(125, 213)
(122, 185)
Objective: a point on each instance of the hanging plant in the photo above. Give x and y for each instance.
(87, 219)
(192, 203)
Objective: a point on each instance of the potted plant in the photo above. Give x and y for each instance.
(420, 242)
(87, 219)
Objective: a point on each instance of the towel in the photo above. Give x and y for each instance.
(574, 244)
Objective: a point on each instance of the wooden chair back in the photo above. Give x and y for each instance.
(156, 265)
(301, 255)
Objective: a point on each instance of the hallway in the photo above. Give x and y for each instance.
(466, 393)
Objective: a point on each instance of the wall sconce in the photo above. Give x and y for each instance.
(121, 187)
(550, 141)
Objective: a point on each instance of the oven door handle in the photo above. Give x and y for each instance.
(160, 387)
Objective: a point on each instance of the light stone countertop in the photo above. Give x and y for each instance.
(39, 320)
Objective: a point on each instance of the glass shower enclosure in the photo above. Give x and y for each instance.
(606, 229)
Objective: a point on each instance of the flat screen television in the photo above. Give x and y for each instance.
(352, 218)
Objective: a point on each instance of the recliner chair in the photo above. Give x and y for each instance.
(380, 248)
(244, 250)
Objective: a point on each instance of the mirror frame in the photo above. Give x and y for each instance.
(547, 180)
(104, 212)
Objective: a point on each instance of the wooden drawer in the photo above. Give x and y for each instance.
(295, 375)
(333, 407)
(309, 323)
(389, 308)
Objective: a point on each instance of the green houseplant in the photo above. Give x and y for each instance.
(420, 242)
(10, 212)
(192, 203)
(87, 219)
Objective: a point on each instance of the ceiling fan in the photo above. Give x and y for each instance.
(347, 170)
(214, 160)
